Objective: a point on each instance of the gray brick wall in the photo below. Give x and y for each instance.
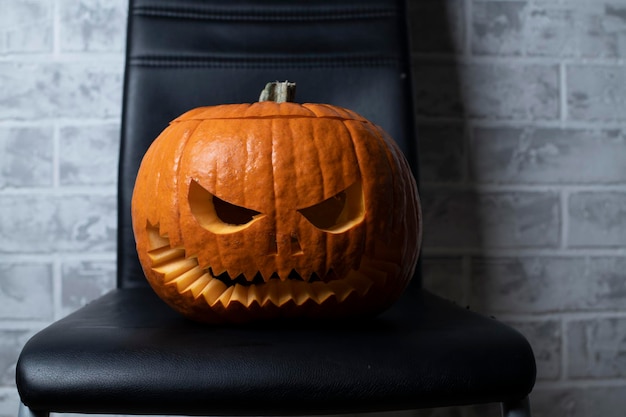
(61, 65)
(521, 106)
(522, 115)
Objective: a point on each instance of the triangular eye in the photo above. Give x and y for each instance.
(339, 212)
(232, 214)
(216, 215)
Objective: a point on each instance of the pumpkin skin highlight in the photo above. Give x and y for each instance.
(282, 166)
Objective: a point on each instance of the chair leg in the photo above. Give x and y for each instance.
(516, 408)
(27, 412)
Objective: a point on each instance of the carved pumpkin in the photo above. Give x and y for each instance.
(252, 211)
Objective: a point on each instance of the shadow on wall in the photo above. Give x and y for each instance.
(452, 220)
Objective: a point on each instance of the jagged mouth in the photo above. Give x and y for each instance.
(188, 277)
(258, 278)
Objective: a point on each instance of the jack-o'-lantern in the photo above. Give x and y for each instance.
(275, 209)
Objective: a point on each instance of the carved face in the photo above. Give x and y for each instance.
(243, 212)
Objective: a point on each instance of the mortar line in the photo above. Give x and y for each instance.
(566, 316)
(557, 123)
(466, 57)
(584, 383)
(564, 197)
(524, 187)
(67, 191)
(56, 30)
(565, 320)
(62, 122)
(525, 252)
(57, 287)
(563, 94)
(467, 50)
(56, 156)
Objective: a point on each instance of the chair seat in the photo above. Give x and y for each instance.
(128, 352)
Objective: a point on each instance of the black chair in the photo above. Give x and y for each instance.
(128, 353)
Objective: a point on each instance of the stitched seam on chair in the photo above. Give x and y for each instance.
(262, 62)
(272, 15)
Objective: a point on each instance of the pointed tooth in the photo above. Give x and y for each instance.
(240, 294)
(186, 279)
(300, 292)
(250, 273)
(234, 273)
(341, 289)
(322, 291)
(224, 299)
(165, 254)
(214, 289)
(199, 284)
(312, 293)
(285, 292)
(272, 292)
(267, 271)
(176, 268)
(218, 270)
(256, 293)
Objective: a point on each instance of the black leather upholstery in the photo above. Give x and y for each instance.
(129, 353)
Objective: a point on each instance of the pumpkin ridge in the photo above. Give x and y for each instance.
(175, 150)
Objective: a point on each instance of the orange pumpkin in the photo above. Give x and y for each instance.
(253, 211)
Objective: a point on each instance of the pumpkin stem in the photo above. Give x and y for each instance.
(279, 91)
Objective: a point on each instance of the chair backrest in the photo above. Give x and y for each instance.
(183, 54)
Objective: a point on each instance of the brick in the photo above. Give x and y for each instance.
(437, 26)
(66, 89)
(26, 26)
(596, 92)
(82, 282)
(45, 224)
(493, 91)
(26, 157)
(9, 401)
(536, 155)
(442, 153)
(511, 91)
(437, 90)
(597, 219)
(587, 29)
(11, 342)
(465, 218)
(548, 284)
(545, 339)
(597, 348)
(26, 291)
(92, 25)
(551, 29)
(602, 29)
(498, 27)
(444, 276)
(89, 155)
